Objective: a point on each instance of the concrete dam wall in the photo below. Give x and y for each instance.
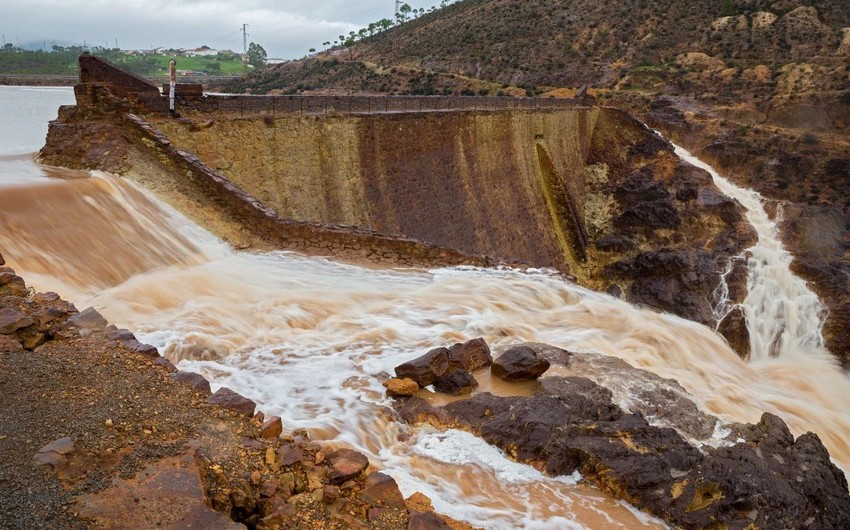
(507, 184)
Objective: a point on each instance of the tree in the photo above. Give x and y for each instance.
(312, 50)
(256, 55)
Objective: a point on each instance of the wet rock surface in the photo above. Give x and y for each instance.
(733, 327)
(520, 363)
(426, 369)
(761, 476)
(664, 230)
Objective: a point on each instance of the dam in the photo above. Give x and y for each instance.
(562, 184)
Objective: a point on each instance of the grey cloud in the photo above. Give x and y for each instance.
(286, 29)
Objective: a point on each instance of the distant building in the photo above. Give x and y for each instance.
(203, 51)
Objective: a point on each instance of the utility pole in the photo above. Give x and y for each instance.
(116, 43)
(245, 47)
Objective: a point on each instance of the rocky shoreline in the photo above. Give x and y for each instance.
(756, 476)
(99, 430)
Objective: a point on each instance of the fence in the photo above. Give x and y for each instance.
(243, 105)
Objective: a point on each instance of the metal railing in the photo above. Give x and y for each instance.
(245, 105)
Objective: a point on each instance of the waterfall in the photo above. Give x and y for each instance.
(784, 317)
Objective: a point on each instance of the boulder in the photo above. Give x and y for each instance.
(470, 355)
(382, 489)
(400, 387)
(88, 319)
(271, 428)
(196, 381)
(11, 320)
(572, 424)
(12, 284)
(119, 334)
(54, 453)
(2, 261)
(346, 464)
(226, 398)
(165, 363)
(140, 347)
(425, 369)
(290, 454)
(456, 383)
(519, 363)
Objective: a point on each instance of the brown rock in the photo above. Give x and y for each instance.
(269, 488)
(398, 387)
(382, 489)
(2, 261)
(196, 381)
(290, 454)
(347, 464)
(165, 363)
(470, 355)
(138, 347)
(226, 398)
(419, 502)
(456, 383)
(11, 320)
(331, 493)
(54, 452)
(119, 334)
(34, 341)
(88, 319)
(733, 327)
(426, 521)
(427, 368)
(519, 363)
(271, 428)
(12, 284)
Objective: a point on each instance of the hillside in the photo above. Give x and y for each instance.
(671, 46)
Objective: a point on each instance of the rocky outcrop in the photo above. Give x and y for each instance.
(573, 424)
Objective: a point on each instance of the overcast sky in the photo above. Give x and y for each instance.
(285, 28)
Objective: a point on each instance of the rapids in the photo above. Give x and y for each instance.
(309, 338)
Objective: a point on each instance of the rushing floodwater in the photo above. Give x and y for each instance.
(308, 338)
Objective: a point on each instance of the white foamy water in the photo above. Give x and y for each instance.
(784, 316)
